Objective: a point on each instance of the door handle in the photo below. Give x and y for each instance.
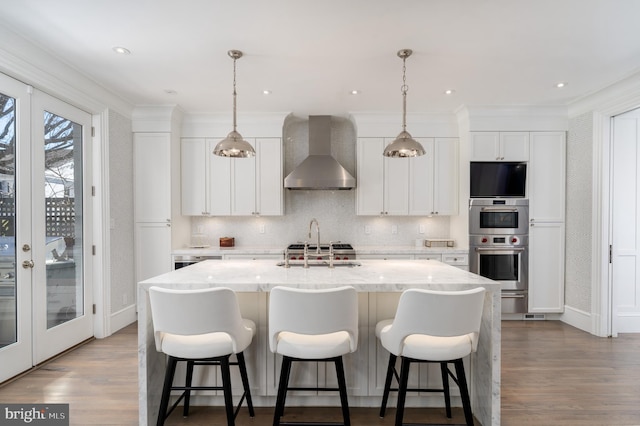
(26, 248)
(512, 296)
(501, 249)
(28, 264)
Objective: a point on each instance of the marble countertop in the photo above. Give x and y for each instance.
(361, 249)
(370, 276)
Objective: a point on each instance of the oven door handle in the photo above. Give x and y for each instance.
(512, 296)
(498, 209)
(515, 249)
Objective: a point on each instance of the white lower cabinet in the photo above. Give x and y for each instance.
(384, 256)
(273, 256)
(546, 267)
(152, 250)
(459, 260)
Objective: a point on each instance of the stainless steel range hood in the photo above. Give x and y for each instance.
(319, 170)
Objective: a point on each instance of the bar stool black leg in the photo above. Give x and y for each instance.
(187, 393)
(342, 385)
(445, 386)
(285, 370)
(245, 382)
(226, 385)
(387, 384)
(402, 389)
(464, 391)
(166, 390)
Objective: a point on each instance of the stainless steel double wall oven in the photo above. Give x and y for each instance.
(499, 247)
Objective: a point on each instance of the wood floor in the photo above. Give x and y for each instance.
(552, 374)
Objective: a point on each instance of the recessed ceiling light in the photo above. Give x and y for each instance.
(561, 85)
(121, 50)
(266, 92)
(355, 92)
(449, 92)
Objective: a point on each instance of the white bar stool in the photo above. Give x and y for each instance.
(312, 325)
(432, 326)
(200, 327)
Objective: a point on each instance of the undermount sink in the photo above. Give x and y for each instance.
(324, 263)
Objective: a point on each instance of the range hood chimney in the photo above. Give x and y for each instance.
(319, 170)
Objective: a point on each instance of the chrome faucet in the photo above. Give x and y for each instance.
(317, 233)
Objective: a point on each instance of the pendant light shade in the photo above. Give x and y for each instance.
(234, 145)
(404, 145)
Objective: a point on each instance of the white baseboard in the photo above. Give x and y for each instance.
(122, 318)
(577, 318)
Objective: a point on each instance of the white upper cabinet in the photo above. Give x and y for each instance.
(546, 177)
(194, 181)
(257, 182)
(220, 186)
(370, 176)
(499, 146)
(419, 186)
(396, 184)
(152, 177)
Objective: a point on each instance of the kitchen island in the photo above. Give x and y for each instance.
(379, 283)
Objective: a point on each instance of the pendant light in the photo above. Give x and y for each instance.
(404, 145)
(233, 145)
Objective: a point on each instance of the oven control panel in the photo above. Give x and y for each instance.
(498, 240)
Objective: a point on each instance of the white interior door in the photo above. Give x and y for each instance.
(625, 214)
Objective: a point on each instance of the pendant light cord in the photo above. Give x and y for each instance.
(234, 94)
(404, 90)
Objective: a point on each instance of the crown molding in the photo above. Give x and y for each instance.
(380, 124)
(513, 117)
(22, 60)
(252, 124)
(619, 97)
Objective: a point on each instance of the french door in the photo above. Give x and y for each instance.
(45, 302)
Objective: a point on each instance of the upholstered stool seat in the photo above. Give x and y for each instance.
(312, 325)
(200, 327)
(432, 326)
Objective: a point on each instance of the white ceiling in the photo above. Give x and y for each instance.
(311, 54)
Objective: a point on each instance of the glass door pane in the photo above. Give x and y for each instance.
(15, 229)
(62, 314)
(63, 217)
(8, 313)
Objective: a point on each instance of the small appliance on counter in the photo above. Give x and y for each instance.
(198, 241)
(227, 241)
(439, 242)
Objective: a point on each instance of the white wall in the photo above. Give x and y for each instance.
(579, 202)
(121, 212)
